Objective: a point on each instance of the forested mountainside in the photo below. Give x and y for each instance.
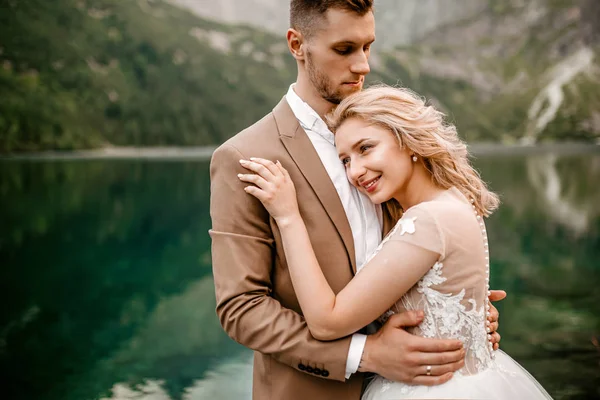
(92, 73)
(80, 74)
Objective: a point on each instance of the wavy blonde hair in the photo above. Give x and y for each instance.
(422, 129)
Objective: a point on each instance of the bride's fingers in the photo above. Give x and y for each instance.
(258, 168)
(268, 164)
(253, 178)
(283, 170)
(256, 192)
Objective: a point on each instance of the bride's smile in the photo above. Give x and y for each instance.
(374, 160)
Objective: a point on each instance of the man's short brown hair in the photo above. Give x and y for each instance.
(306, 15)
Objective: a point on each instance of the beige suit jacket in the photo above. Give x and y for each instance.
(256, 303)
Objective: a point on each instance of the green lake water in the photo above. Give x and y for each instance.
(106, 286)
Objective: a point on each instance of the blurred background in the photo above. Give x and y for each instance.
(109, 110)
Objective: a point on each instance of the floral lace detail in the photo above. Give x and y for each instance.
(446, 316)
(407, 225)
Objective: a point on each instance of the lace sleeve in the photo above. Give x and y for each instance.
(419, 227)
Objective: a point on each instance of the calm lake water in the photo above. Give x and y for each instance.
(107, 293)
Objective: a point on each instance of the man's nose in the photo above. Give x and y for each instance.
(361, 63)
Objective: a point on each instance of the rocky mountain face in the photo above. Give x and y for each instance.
(398, 22)
(518, 70)
(505, 70)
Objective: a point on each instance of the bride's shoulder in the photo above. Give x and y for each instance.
(443, 210)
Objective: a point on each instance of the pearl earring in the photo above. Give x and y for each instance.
(414, 158)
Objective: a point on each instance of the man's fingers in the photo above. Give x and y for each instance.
(445, 358)
(494, 314)
(439, 370)
(408, 318)
(432, 380)
(493, 326)
(495, 338)
(497, 295)
(427, 345)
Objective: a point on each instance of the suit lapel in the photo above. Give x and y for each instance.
(300, 148)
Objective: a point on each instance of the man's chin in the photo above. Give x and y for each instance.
(344, 92)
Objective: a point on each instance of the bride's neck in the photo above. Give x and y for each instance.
(418, 189)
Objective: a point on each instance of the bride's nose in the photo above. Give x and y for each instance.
(355, 171)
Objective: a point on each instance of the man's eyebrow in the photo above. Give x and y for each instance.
(350, 42)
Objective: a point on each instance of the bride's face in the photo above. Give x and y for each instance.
(374, 161)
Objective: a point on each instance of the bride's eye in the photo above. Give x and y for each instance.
(365, 147)
(345, 161)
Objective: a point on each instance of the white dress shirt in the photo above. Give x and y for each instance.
(364, 217)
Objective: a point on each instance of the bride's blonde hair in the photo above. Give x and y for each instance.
(421, 129)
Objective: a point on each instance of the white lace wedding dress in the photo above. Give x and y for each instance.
(453, 295)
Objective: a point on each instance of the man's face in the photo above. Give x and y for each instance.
(337, 55)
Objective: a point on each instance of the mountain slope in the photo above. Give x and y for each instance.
(82, 74)
(517, 71)
(85, 74)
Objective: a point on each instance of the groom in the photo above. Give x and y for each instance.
(256, 304)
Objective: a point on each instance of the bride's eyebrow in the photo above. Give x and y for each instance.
(359, 143)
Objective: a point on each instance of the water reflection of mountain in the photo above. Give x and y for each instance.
(180, 341)
(545, 242)
(107, 274)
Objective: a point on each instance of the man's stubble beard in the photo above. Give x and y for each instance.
(322, 83)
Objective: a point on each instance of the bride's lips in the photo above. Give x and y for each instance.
(371, 184)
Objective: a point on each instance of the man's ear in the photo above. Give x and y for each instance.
(296, 45)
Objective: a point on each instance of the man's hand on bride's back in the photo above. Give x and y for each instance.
(397, 355)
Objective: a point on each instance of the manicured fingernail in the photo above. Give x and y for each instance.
(243, 161)
(240, 175)
(252, 158)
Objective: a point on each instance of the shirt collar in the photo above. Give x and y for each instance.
(308, 118)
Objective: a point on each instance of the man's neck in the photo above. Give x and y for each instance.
(310, 96)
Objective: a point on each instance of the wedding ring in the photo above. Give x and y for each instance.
(429, 370)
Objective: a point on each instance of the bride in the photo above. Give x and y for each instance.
(401, 153)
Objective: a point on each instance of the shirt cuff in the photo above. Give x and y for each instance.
(357, 346)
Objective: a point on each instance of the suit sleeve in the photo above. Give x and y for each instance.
(243, 257)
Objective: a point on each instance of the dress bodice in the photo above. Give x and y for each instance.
(454, 293)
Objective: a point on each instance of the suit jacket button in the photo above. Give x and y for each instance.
(317, 371)
(302, 367)
(325, 373)
(310, 369)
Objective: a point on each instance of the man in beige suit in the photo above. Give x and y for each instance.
(256, 304)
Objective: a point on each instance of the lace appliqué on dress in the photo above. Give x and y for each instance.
(446, 316)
